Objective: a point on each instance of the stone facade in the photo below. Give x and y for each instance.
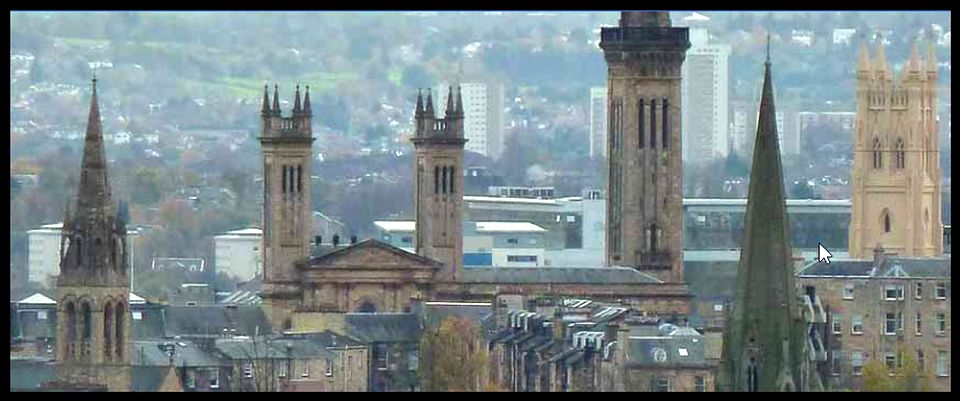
(644, 189)
(857, 302)
(896, 174)
(287, 206)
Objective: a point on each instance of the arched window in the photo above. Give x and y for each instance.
(436, 179)
(665, 127)
(877, 155)
(640, 123)
(284, 178)
(886, 220)
(71, 331)
(87, 330)
(107, 332)
(653, 123)
(901, 157)
(752, 377)
(367, 307)
(452, 175)
(119, 322)
(444, 185)
(654, 233)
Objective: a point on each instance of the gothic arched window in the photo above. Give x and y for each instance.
(901, 157)
(665, 126)
(653, 123)
(444, 185)
(640, 123)
(877, 156)
(107, 331)
(119, 322)
(452, 190)
(436, 179)
(886, 220)
(752, 377)
(71, 330)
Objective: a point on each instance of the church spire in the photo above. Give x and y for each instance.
(864, 64)
(419, 111)
(762, 346)
(93, 199)
(451, 109)
(296, 100)
(931, 62)
(306, 102)
(880, 62)
(276, 100)
(430, 113)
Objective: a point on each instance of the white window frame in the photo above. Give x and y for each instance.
(857, 322)
(413, 360)
(943, 358)
(191, 379)
(383, 358)
(919, 324)
(836, 359)
(897, 323)
(848, 291)
(305, 369)
(699, 384)
(941, 322)
(918, 290)
(837, 323)
(897, 292)
(856, 368)
(329, 372)
(214, 378)
(247, 369)
(283, 369)
(941, 286)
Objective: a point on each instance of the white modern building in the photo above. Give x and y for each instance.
(43, 258)
(483, 122)
(598, 122)
(485, 243)
(238, 254)
(705, 80)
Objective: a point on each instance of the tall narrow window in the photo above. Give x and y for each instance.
(119, 322)
(107, 329)
(901, 157)
(653, 232)
(640, 133)
(299, 178)
(284, 178)
(436, 179)
(444, 185)
(886, 221)
(653, 123)
(71, 330)
(665, 128)
(87, 321)
(452, 175)
(752, 376)
(877, 155)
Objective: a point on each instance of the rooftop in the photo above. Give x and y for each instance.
(557, 275)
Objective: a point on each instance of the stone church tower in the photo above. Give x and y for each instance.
(287, 207)
(764, 338)
(438, 182)
(93, 288)
(644, 189)
(896, 166)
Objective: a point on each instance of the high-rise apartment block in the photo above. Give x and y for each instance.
(598, 122)
(705, 88)
(483, 124)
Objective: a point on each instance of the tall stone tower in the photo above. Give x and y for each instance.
(438, 201)
(644, 191)
(763, 343)
(896, 165)
(93, 291)
(287, 207)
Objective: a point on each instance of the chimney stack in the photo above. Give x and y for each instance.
(353, 239)
(317, 240)
(336, 240)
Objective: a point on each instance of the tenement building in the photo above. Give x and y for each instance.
(644, 56)
(881, 309)
(896, 167)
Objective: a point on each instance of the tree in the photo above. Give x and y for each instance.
(907, 376)
(415, 76)
(454, 357)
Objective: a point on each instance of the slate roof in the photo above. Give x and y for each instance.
(556, 275)
(272, 348)
(911, 267)
(147, 379)
(383, 327)
(641, 351)
(479, 314)
(321, 254)
(210, 320)
(149, 353)
(918, 267)
(839, 268)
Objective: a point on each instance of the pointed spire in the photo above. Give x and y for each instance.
(768, 49)
(451, 111)
(459, 101)
(276, 100)
(880, 62)
(864, 64)
(419, 111)
(306, 102)
(265, 108)
(913, 64)
(93, 198)
(429, 109)
(296, 100)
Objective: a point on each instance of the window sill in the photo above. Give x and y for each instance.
(857, 333)
(848, 299)
(943, 334)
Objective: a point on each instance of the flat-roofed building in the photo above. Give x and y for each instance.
(238, 253)
(485, 243)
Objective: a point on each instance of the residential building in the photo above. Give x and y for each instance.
(44, 247)
(483, 120)
(598, 122)
(880, 307)
(705, 80)
(237, 253)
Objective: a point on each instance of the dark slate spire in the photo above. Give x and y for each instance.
(429, 110)
(451, 110)
(276, 100)
(306, 102)
(763, 340)
(296, 101)
(93, 199)
(459, 101)
(265, 108)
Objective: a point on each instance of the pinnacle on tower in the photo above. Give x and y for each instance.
(931, 62)
(913, 64)
(419, 111)
(296, 100)
(429, 110)
(93, 198)
(306, 103)
(459, 101)
(880, 62)
(276, 100)
(265, 108)
(451, 111)
(864, 64)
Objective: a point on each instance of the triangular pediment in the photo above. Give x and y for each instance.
(372, 254)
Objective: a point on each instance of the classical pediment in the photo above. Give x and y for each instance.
(371, 254)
